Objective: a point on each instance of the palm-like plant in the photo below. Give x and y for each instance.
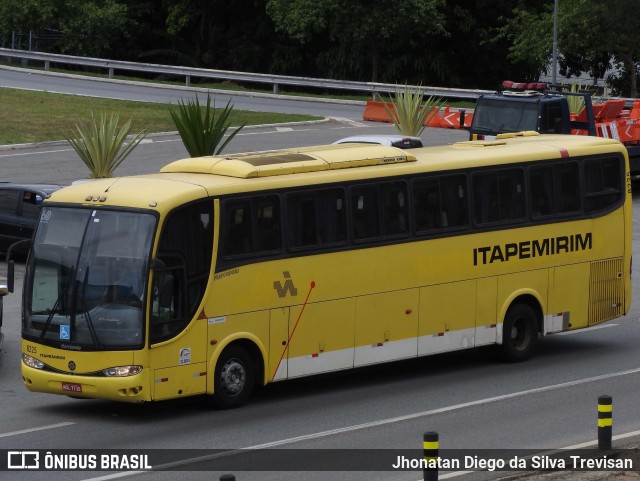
(410, 115)
(200, 129)
(102, 144)
(575, 103)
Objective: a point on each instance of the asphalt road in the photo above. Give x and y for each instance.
(472, 400)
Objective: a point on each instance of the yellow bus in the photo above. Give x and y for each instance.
(220, 274)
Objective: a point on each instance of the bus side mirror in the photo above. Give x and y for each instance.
(158, 265)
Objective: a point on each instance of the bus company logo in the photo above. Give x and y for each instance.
(23, 460)
(185, 356)
(288, 286)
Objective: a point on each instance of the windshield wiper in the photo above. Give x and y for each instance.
(85, 312)
(54, 309)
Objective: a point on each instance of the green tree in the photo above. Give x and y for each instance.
(592, 36)
(93, 27)
(85, 27)
(377, 30)
(102, 143)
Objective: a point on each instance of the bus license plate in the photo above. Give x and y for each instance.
(72, 387)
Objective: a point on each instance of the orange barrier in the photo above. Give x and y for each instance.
(455, 119)
(375, 111)
(436, 118)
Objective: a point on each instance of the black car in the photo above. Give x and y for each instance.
(19, 210)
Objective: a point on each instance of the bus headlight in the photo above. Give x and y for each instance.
(32, 362)
(122, 371)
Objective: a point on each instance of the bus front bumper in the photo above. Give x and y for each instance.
(132, 389)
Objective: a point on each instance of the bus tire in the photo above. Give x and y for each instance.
(234, 378)
(520, 333)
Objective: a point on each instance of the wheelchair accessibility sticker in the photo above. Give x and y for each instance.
(65, 332)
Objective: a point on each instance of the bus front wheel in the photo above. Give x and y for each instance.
(520, 333)
(233, 378)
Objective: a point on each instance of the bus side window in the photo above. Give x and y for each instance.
(453, 203)
(394, 214)
(315, 218)
(541, 191)
(499, 196)
(365, 212)
(426, 205)
(568, 178)
(330, 208)
(238, 219)
(267, 215)
(603, 182)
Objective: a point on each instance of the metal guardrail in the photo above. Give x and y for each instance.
(274, 80)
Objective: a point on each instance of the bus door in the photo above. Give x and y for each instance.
(178, 321)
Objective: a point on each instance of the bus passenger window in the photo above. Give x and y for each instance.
(453, 203)
(499, 196)
(427, 205)
(239, 225)
(569, 187)
(268, 224)
(440, 202)
(394, 218)
(603, 181)
(365, 213)
(315, 218)
(541, 191)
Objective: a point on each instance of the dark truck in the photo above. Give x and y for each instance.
(547, 112)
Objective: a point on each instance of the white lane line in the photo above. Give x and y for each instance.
(351, 122)
(383, 422)
(36, 153)
(32, 430)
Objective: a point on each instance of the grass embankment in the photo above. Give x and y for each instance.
(27, 116)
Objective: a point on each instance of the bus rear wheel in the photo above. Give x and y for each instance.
(520, 333)
(234, 378)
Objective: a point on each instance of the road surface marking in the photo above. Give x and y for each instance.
(31, 430)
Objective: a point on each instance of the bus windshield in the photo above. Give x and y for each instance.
(86, 286)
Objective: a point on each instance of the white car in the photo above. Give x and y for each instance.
(400, 141)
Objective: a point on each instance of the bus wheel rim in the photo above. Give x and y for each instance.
(519, 334)
(233, 377)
